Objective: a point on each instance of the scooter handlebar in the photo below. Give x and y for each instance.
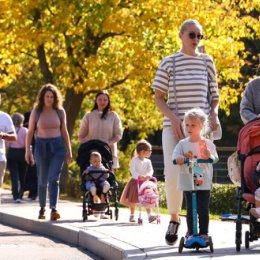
(198, 160)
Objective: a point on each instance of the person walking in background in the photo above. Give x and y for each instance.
(196, 146)
(103, 124)
(140, 166)
(31, 183)
(48, 121)
(7, 133)
(250, 103)
(16, 158)
(187, 79)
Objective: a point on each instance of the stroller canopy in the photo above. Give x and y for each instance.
(248, 147)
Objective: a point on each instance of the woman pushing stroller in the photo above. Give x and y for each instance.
(140, 167)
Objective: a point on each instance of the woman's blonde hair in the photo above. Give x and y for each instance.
(189, 22)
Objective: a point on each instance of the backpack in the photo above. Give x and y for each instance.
(234, 169)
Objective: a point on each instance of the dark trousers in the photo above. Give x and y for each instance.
(203, 199)
(17, 166)
(31, 182)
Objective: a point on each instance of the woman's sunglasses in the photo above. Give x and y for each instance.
(193, 35)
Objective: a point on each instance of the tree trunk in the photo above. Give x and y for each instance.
(72, 105)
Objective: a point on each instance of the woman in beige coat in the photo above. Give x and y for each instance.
(102, 123)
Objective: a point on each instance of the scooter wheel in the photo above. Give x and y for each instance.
(181, 245)
(211, 245)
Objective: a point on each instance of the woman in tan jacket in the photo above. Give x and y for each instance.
(102, 123)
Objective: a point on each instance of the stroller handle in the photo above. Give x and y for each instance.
(194, 160)
(154, 179)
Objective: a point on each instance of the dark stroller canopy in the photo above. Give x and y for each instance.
(87, 148)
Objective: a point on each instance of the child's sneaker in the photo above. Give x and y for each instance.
(205, 238)
(55, 214)
(152, 218)
(255, 212)
(132, 218)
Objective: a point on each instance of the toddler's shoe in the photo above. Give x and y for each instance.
(104, 216)
(152, 218)
(132, 218)
(55, 214)
(255, 212)
(205, 238)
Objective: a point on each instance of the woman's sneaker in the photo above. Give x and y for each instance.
(42, 214)
(55, 214)
(172, 233)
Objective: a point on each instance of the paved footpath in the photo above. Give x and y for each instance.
(120, 240)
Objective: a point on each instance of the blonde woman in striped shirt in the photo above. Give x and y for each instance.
(187, 79)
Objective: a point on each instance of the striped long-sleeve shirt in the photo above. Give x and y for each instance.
(187, 78)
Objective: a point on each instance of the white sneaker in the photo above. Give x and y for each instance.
(103, 216)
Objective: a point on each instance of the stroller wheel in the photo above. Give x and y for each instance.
(85, 217)
(181, 245)
(140, 221)
(247, 239)
(238, 241)
(111, 214)
(116, 213)
(158, 221)
(211, 245)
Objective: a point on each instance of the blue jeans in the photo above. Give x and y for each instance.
(49, 157)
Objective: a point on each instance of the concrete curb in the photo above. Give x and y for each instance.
(96, 242)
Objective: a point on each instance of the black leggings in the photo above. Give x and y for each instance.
(203, 199)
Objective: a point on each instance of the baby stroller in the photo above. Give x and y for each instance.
(248, 148)
(148, 197)
(89, 207)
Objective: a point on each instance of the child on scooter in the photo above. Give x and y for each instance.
(196, 146)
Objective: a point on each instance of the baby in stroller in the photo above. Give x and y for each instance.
(98, 182)
(96, 175)
(256, 177)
